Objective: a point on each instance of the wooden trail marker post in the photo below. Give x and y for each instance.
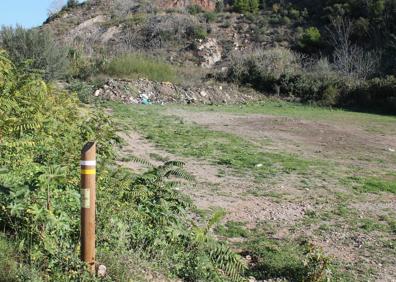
(88, 206)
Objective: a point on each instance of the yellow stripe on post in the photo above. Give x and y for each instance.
(88, 171)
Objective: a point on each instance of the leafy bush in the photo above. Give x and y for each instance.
(194, 9)
(137, 65)
(197, 32)
(81, 66)
(375, 94)
(246, 6)
(36, 47)
(210, 17)
(42, 132)
(309, 87)
(262, 68)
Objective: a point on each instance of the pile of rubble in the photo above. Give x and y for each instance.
(143, 91)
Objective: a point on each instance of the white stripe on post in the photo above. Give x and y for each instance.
(88, 163)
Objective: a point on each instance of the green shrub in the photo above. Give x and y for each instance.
(262, 68)
(36, 50)
(194, 9)
(246, 6)
(330, 96)
(138, 65)
(197, 32)
(310, 87)
(311, 38)
(210, 17)
(377, 93)
(81, 66)
(281, 69)
(286, 20)
(43, 129)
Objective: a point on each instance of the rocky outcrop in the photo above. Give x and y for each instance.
(208, 5)
(209, 52)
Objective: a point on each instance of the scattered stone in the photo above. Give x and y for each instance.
(102, 271)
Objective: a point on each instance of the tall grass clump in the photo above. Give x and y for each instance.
(141, 66)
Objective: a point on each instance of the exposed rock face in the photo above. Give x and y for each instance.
(208, 5)
(209, 52)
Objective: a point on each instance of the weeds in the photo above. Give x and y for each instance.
(141, 66)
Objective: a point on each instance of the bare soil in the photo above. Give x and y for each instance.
(326, 140)
(284, 202)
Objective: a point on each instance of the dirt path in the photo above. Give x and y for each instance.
(214, 189)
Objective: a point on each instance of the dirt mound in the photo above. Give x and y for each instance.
(143, 91)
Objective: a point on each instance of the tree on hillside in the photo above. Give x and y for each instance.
(350, 59)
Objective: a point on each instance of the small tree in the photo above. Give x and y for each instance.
(350, 59)
(310, 39)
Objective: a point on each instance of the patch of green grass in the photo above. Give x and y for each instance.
(386, 183)
(187, 139)
(276, 259)
(233, 229)
(369, 225)
(375, 185)
(381, 123)
(141, 66)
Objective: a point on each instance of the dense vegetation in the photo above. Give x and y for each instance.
(43, 130)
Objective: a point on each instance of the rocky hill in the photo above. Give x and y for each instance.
(325, 52)
(182, 31)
